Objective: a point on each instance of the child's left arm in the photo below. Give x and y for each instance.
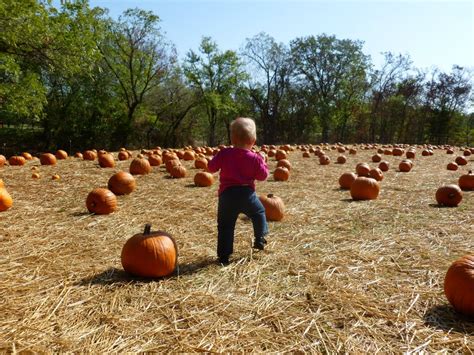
(214, 165)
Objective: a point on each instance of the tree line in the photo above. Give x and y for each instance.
(73, 78)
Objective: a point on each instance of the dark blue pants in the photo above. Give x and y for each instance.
(235, 200)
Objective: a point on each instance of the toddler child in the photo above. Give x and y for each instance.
(239, 168)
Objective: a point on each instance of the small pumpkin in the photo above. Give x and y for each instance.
(411, 154)
(47, 159)
(106, 160)
(89, 155)
(467, 153)
(35, 176)
(404, 166)
(341, 159)
(200, 163)
(460, 160)
(150, 254)
(171, 163)
(121, 183)
(452, 166)
(384, 165)
(55, 177)
(123, 155)
(26, 155)
(346, 180)
(280, 154)
(3, 160)
(274, 207)
(459, 285)
(376, 174)
(376, 158)
(281, 174)
(6, 200)
(61, 154)
(203, 179)
(17, 160)
(324, 159)
(284, 163)
(101, 201)
(78, 155)
(188, 155)
(178, 171)
(155, 160)
(397, 152)
(364, 188)
(466, 182)
(362, 169)
(449, 195)
(140, 166)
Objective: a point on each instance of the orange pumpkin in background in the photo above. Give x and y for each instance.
(121, 183)
(101, 201)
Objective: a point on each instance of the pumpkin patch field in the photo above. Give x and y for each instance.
(360, 269)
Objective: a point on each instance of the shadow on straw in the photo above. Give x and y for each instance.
(193, 267)
(444, 317)
(113, 276)
(435, 205)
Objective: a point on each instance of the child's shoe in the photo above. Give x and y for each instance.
(224, 260)
(260, 244)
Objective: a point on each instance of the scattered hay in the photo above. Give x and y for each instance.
(336, 276)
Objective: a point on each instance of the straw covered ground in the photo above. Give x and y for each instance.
(336, 275)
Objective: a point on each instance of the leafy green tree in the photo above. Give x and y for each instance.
(138, 57)
(328, 67)
(270, 71)
(216, 77)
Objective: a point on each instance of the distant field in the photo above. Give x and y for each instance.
(336, 276)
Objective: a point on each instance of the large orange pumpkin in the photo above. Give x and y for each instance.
(274, 207)
(121, 183)
(466, 182)
(150, 254)
(101, 201)
(449, 195)
(61, 154)
(178, 171)
(459, 285)
(364, 188)
(140, 166)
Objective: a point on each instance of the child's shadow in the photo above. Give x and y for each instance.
(444, 317)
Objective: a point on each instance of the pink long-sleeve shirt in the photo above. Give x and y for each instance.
(238, 167)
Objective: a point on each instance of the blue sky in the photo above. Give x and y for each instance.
(434, 33)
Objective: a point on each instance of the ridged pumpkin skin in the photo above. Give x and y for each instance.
(140, 166)
(452, 166)
(178, 171)
(449, 195)
(384, 166)
(274, 207)
(346, 180)
(376, 174)
(89, 155)
(150, 254)
(122, 183)
(155, 160)
(200, 163)
(47, 159)
(17, 160)
(364, 188)
(362, 169)
(466, 182)
(203, 179)
(6, 200)
(460, 160)
(459, 285)
(101, 201)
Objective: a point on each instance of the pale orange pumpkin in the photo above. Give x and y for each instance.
(6, 200)
(106, 160)
(47, 159)
(203, 179)
(121, 183)
(274, 207)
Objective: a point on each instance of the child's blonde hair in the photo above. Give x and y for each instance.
(243, 130)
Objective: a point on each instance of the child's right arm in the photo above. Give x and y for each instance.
(215, 164)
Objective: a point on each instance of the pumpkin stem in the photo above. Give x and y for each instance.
(147, 229)
(270, 195)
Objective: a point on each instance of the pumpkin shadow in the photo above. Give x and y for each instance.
(81, 214)
(444, 317)
(435, 205)
(349, 200)
(114, 276)
(190, 185)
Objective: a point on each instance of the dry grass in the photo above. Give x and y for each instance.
(337, 275)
